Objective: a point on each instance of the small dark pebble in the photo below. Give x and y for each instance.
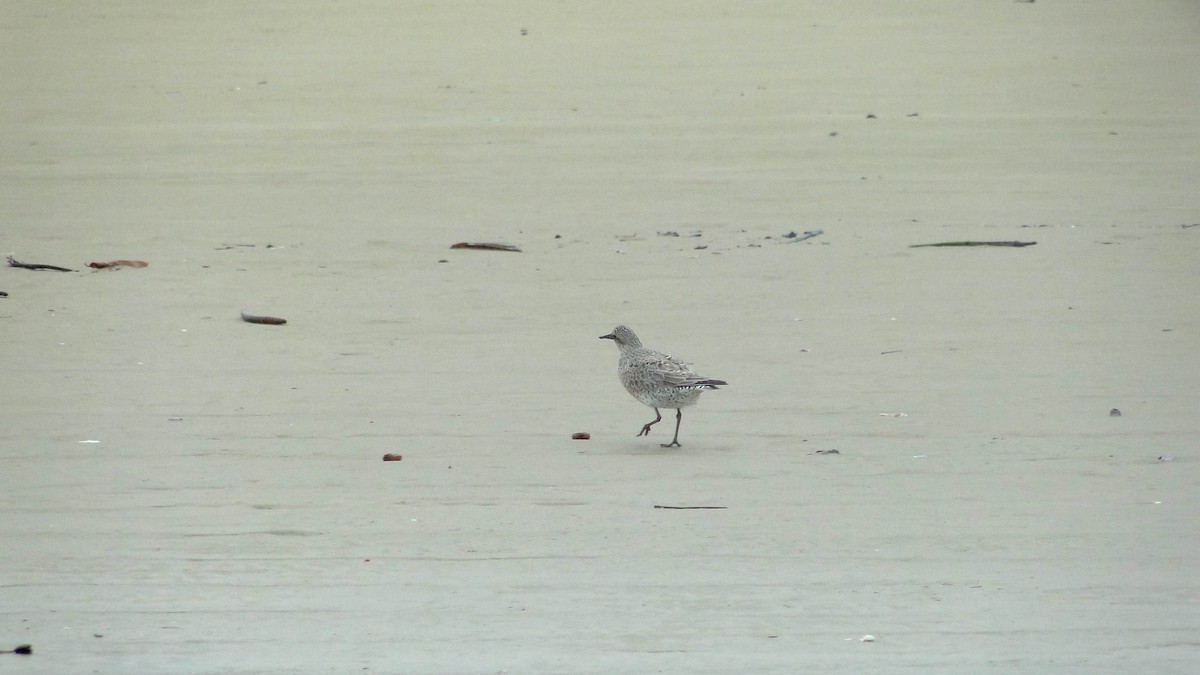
(580, 436)
(827, 452)
(1114, 413)
(390, 457)
(872, 116)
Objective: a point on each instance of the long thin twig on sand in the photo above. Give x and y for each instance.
(486, 246)
(12, 262)
(1013, 244)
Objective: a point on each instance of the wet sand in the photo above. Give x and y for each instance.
(984, 512)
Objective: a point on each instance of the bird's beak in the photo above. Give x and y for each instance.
(610, 336)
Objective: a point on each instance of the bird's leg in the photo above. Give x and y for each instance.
(646, 429)
(678, 418)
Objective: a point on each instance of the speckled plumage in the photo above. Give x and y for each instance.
(656, 379)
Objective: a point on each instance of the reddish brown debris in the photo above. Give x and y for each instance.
(580, 436)
(390, 457)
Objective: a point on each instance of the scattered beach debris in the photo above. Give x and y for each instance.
(1165, 458)
(20, 649)
(689, 508)
(112, 264)
(827, 452)
(1010, 244)
(892, 351)
(668, 233)
(485, 246)
(809, 234)
(3, 294)
(228, 247)
(12, 262)
(1115, 412)
(867, 638)
(1186, 226)
(891, 414)
(259, 318)
(392, 457)
(580, 436)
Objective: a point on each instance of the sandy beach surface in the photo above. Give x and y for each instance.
(184, 492)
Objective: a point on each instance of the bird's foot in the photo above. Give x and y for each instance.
(645, 431)
(672, 444)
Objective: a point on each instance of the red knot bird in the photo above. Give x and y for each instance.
(656, 379)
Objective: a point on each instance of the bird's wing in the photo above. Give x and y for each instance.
(676, 373)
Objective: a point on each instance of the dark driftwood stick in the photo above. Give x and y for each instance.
(35, 266)
(1014, 244)
(682, 508)
(486, 247)
(258, 318)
